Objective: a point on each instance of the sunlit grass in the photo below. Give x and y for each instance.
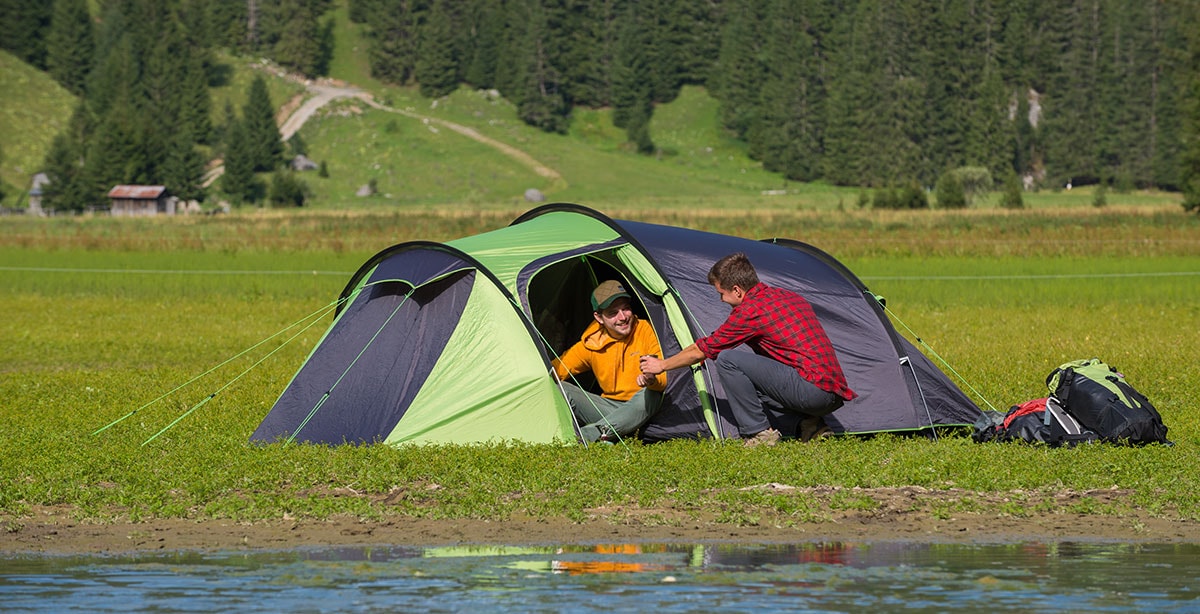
(104, 316)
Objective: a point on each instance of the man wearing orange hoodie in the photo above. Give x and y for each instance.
(611, 348)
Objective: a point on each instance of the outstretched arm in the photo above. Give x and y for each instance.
(653, 365)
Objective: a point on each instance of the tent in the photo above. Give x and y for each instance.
(452, 342)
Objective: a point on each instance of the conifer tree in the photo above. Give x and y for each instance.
(23, 27)
(69, 188)
(393, 42)
(70, 45)
(741, 66)
(261, 131)
(535, 86)
(631, 89)
(183, 169)
(488, 27)
(1190, 84)
(786, 135)
(296, 40)
(437, 67)
(238, 182)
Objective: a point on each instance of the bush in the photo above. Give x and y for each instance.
(1012, 198)
(287, 190)
(912, 197)
(949, 191)
(975, 180)
(885, 198)
(1100, 196)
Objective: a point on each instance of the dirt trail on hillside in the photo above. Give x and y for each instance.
(322, 92)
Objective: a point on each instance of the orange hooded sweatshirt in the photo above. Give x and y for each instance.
(615, 363)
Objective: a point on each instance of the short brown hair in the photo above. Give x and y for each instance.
(733, 270)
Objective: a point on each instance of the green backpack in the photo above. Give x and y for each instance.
(1098, 396)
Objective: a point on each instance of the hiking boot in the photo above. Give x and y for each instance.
(769, 437)
(814, 428)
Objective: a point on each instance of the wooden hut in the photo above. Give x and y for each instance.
(141, 200)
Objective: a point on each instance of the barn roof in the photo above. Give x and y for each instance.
(148, 192)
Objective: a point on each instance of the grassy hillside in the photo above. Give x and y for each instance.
(33, 108)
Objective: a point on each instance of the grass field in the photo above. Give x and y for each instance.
(104, 316)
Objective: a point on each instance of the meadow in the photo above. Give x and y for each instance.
(165, 331)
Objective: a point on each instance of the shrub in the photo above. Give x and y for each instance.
(949, 191)
(287, 190)
(1100, 196)
(885, 198)
(912, 196)
(975, 180)
(1012, 198)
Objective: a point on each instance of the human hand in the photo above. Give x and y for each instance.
(644, 380)
(651, 365)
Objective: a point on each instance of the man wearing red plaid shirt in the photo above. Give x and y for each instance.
(793, 367)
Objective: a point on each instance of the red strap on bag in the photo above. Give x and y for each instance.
(1032, 406)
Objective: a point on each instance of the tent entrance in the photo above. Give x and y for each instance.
(559, 300)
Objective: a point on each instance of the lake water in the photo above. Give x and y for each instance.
(824, 577)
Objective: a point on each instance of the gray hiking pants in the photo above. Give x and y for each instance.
(753, 382)
(598, 415)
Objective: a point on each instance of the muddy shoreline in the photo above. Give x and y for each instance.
(53, 531)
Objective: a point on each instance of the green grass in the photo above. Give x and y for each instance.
(130, 312)
(411, 163)
(33, 109)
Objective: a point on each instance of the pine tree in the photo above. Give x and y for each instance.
(238, 182)
(741, 66)
(786, 135)
(183, 170)
(69, 188)
(631, 91)
(393, 46)
(1071, 109)
(582, 42)
(437, 66)
(262, 134)
(296, 41)
(23, 24)
(488, 27)
(70, 45)
(535, 86)
(1189, 75)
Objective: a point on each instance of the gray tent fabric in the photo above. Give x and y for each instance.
(898, 388)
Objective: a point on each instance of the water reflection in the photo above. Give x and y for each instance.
(832, 576)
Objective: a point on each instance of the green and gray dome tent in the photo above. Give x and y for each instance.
(452, 343)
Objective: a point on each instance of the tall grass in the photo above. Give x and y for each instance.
(103, 318)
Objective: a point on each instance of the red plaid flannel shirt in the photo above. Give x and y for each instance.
(781, 325)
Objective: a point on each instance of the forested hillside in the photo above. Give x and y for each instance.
(856, 92)
(866, 93)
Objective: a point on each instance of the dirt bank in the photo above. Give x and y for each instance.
(902, 514)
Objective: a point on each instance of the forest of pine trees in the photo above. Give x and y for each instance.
(854, 92)
(867, 93)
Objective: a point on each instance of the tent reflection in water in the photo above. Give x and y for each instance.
(452, 342)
